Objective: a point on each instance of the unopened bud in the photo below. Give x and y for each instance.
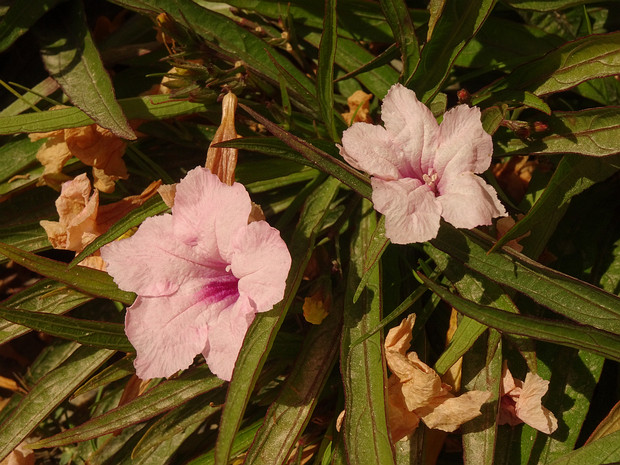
(539, 126)
(223, 161)
(464, 96)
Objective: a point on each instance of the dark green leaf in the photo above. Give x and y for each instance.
(70, 56)
(47, 394)
(161, 398)
(363, 369)
(400, 22)
(44, 296)
(88, 280)
(459, 22)
(602, 451)
(593, 132)
(325, 68)
(91, 333)
(290, 413)
(570, 335)
(563, 294)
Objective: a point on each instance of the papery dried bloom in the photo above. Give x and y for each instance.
(223, 161)
(82, 219)
(521, 402)
(359, 103)
(201, 275)
(92, 145)
(421, 171)
(416, 392)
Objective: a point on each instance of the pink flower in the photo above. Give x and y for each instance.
(421, 171)
(201, 274)
(521, 402)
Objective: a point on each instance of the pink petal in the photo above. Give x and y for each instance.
(467, 201)
(261, 262)
(152, 262)
(369, 148)
(226, 334)
(529, 405)
(167, 333)
(411, 210)
(412, 126)
(207, 213)
(463, 145)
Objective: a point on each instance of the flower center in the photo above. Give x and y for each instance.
(220, 288)
(430, 179)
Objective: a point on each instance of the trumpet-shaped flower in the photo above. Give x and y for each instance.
(521, 402)
(422, 171)
(201, 275)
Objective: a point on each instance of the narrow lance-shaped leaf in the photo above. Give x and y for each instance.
(44, 296)
(70, 56)
(92, 333)
(263, 330)
(593, 132)
(88, 280)
(161, 398)
(325, 68)
(590, 57)
(563, 294)
(363, 368)
(397, 15)
(458, 23)
(47, 394)
(148, 108)
(290, 413)
(320, 159)
(570, 335)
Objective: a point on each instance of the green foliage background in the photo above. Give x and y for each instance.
(544, 73)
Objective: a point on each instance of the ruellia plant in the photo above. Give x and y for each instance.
(309, 232)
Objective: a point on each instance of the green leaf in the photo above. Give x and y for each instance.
(459, 22)
(30, 237)
(241, 442)
(116, 371)
(17, 154)
(47, 394)
(321, 160)
(290, 413)
(482, 366)
(573, 175)
(21, 16)
(70, 56)
(44, 296)
(376, 247)
(178, 423)
(350, 56)
(546, 5)
(362, 366)
(94, 282)
(602, 451)
(262, 332)
(567, 334)
(587, 58)
(161, 398)
(150, 107)
(397, 15)
(563, 294)
(91, 333)
(153, 206)
(593, 132)
(325, 68)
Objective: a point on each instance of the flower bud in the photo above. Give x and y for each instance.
(222, 161)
